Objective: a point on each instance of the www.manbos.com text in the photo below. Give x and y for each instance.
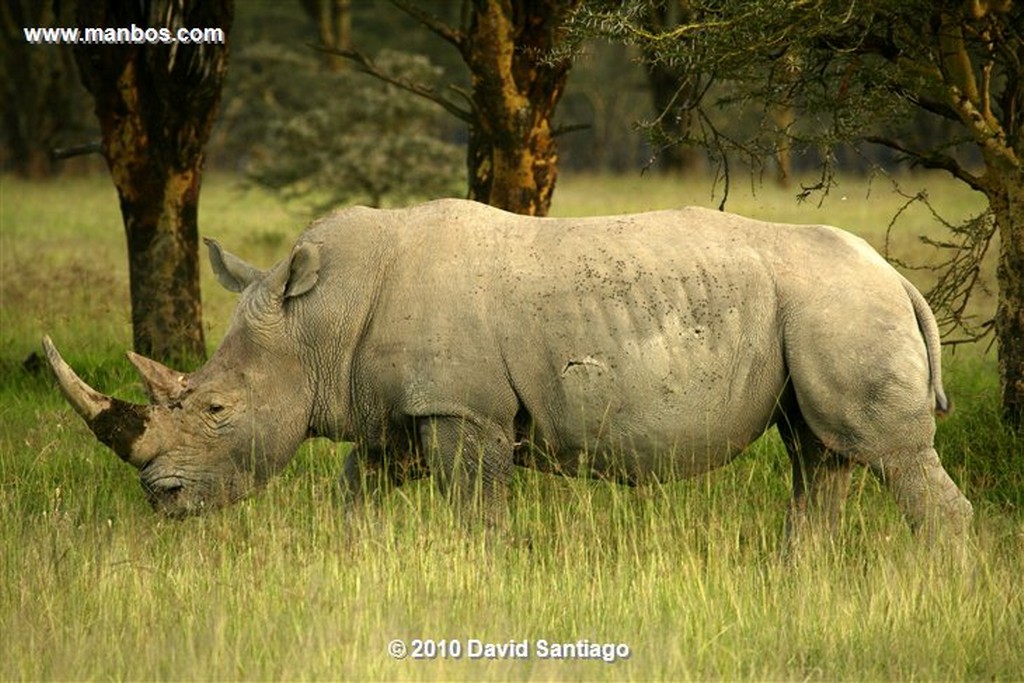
(121, 35)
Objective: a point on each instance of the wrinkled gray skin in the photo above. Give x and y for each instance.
(459, 340)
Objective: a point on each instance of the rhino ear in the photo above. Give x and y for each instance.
(232, 272)
(302, 270)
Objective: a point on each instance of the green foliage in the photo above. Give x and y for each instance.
(853, 72)
(747, 58)
(330, 138)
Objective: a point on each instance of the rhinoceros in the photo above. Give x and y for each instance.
(455, 340)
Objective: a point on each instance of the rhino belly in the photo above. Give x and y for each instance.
(641, 412)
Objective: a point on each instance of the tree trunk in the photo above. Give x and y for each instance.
(672, 93)
(783, 116)
(512, 156)
(333, 20)
(42, 101)
(156, 104)
(1008, 206)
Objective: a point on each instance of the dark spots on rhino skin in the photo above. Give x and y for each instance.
(120, 426)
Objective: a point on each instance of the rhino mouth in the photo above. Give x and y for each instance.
(175, 495)
(163, 486)
(167, 494)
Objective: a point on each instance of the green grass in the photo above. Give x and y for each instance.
(289, 585)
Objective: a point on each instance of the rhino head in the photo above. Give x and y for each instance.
(211, 437)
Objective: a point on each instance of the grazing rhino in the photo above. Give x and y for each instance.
(458, 340)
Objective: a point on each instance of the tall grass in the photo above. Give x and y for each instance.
(290, 585)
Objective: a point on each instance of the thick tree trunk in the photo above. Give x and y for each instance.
(1008, 207)
(159, 206)
(156, 104)
(512, 157)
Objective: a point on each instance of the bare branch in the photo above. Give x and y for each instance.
(82, 148)
(464, 94)
(935, 160)
(987, 132)
(571, 128)
(367, 66)
(441, 29)
(930, 105)
(959, 273)
(955, 59)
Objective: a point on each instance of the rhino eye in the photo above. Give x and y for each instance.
(215, 409)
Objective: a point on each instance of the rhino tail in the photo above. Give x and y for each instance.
(930, 331)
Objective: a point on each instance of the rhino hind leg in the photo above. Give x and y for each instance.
(871, 396)
(821, 482)
(472, 465)
(899, 450)
(932, 503)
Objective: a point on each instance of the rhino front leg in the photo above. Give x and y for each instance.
(370, 474)
(472, 465)
(821, 483)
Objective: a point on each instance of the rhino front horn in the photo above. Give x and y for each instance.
(116, 423)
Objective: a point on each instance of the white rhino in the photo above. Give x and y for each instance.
(458, 340)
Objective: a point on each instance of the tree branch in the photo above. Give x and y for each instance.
(954, 58)
(81, 149)
(933, 160)
(570, 128)
(441, 29)
(367, 66)
(987, 132)
(936, 107)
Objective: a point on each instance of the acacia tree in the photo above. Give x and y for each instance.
(859, 73)
(156, 104)
(517, 82)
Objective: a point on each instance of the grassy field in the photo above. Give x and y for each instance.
(289, 585)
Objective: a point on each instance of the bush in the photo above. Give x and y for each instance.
(330, 138)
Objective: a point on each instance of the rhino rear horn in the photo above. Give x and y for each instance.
(163, 385)
(116, 423)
